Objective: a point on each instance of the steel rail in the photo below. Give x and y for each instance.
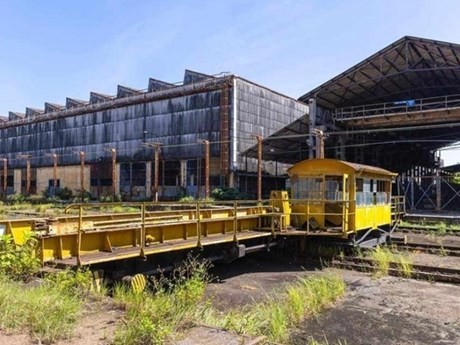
(421, 272)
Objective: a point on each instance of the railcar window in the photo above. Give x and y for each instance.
(364, 192)
(334, 187)
(381, 196)
(307, 188)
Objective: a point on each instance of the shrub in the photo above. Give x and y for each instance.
(18, 261)
(15, 199)
(73, 282)
(187, 199)
(227, 193)
(64, 193)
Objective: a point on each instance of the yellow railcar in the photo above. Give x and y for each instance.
(341, 199)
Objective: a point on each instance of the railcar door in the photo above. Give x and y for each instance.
(333, 204)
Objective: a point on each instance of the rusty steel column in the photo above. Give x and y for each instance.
(259, 166)
(206, 167)
(54, 173)
(5, 177)
(156, 172)
(27, 157)
(114, 172)
(319, 143)
(224, 134)
(82, 175)
(438, 190)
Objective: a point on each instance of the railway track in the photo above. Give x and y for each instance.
(423, 231)
(430, 248)
(421, 272)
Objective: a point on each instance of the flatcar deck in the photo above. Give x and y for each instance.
(158, 248)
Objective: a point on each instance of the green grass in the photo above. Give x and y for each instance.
(46, 311)
(274, 317)
(152, 317)
(439, 228)
(178, 303)
(385, 256)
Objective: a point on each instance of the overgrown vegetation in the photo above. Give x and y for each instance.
(274, 317)
(384, 257)
(227, 193)
(48, 308)
(18, 262)
(153, 316)
(46, 311)
(439, 228)
(177, 303)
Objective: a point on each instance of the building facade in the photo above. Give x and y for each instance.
(226, 110)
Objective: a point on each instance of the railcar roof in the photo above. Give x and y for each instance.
(356, 167)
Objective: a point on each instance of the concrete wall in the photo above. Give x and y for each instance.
(69, 177)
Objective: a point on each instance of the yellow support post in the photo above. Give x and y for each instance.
(235, 221)
(143, 234)
(80, 220)
(198, 224)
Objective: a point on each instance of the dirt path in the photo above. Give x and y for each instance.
(96, 327)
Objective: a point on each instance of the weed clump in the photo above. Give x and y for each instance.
(49, 311)
(274, 317)
(385, 258)
(153, 316)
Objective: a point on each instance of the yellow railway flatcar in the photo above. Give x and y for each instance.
(341, 199)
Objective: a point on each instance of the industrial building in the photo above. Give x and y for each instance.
(395, 109)
(107, 144)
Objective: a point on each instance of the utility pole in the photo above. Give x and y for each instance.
(259, 166)
(206, 167)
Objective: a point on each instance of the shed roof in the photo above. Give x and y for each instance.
(409, 68)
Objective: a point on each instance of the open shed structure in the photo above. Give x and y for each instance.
(395, 109)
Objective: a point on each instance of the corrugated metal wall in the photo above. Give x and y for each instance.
(174, 122)
(262, 111)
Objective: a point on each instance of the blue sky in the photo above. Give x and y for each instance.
(54, 49)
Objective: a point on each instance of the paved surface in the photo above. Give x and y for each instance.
(212, 336)
(389, 311)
